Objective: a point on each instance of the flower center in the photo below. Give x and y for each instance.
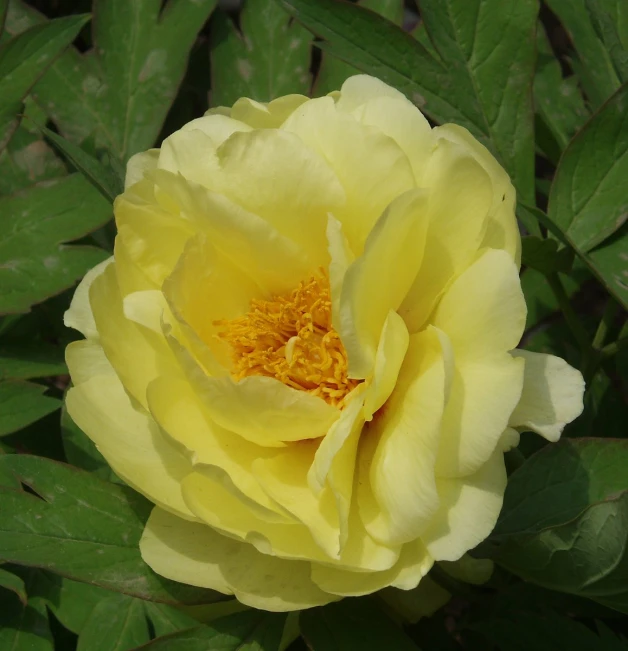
(291, 338)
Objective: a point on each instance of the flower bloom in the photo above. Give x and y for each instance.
(303, 349)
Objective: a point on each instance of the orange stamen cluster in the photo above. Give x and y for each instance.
(291, 338)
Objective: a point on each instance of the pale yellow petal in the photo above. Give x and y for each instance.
(378, 281)
(460, 199)
(79, 315)
(284, 478)
(271, 115)
(130, 441)
(413, 564)
(372, 168)
(359, 89)
(405, 124)
(197, 555)
(484, 310)
(552, 395)
(468, 512)
(138, 165)
(137, 353)
(340, 258)
(391, 351)
(86, 358)
(397, 487)
(422, 601)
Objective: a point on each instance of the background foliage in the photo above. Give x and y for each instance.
(84, 85)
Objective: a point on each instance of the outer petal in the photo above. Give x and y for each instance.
(372, 168)
(413, 564)
(552, 395)
(377, 282)
(79, 315)
(129, 439)
(271, 115)
(468, 512)
(397, 488)
(360, 89)
(196, 554)
(139, 165)
(460, 198)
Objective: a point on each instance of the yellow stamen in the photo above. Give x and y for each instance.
(291, 338)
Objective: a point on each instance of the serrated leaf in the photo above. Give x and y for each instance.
(26, 57)
(34, 361)
(23, 403)
(24, 628)
(35, 263)
(481, 83)
(109, 183)
(268, 59)
(252, 630)
(352, 625)
(82, 528)
(117, 623)
(333, 72)
(589, 196)
(12, 582)
(120, 92)
(593, 66)
(564, 524)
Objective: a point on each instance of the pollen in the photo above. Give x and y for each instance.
(291, 338)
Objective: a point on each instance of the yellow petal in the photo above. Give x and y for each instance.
(271, 115)
(79, 315)
(552, 395)
(397, 488)
(372, 168)
(129, 439)
(405, 124)
(251, 243)
(392, 348)
(341, 257)
(422, 601)
(457, 223)
(197, 555)
(484, 310)
(360, 89)
(184, 418)
(284, 478)
(502, 231)
(287, 184)
(137, 353)
(413, 564)
(377, 282)
(85, 359)
(138, 165)
(468, 512)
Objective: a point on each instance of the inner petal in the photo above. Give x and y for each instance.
(291, 338)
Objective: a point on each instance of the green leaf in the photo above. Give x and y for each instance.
(9, 121)
(557, 100)
(352, 625)
(24, 628)
(26, 57)
(80, 450)
(103, 178)
(270, 58)
(544, 256)
(117, 622)
(252, 630)
(333, 72)
(34, 261)
(167, 619)
(14, 583)
(589, 197)
(606, 18)
(82, 528)
(480, 83)
(22, 403)
(543, 632)
(593, 65)
(564, 524)
(34, 361)
(119, 93)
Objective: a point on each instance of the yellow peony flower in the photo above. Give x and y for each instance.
(302, 350)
